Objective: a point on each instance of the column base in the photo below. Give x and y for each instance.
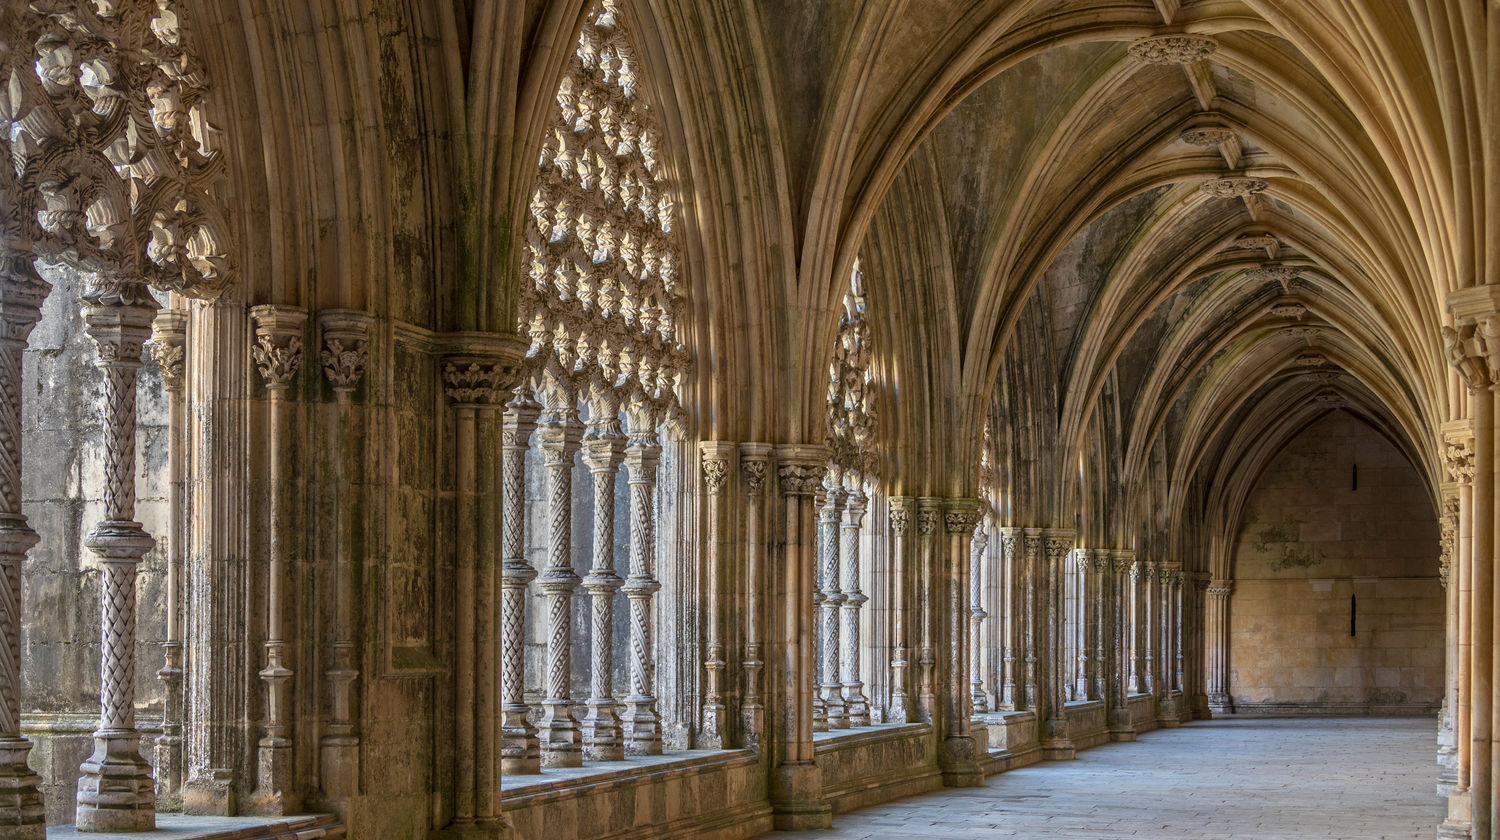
(561, 740)
(476, 831)
(520, 753)
(1458, 825)
(1166, 714)
(712, 735)
(210, 797)
(858, 707)
(603, 739)
(797, 798)
(957, 762)
(338, 767)
(116, 792)
(273, 795)
(23, 814)
(752, 723)
(167, 755)
(1121, 728)
(1057, 746)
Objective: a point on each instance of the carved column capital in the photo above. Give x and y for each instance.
(277, 350)
(961, 515)
(715, 456)
(479, 382)
(22, 291)
(800, 468)
(754, 464)
(346, 346)
(169, 346)
(899, 511)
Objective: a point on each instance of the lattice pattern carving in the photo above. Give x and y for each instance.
(851, 393)
(604, 297)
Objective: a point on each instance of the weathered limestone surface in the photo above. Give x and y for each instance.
(1336, 602)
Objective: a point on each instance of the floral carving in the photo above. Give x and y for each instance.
(1207, 136)
(1173, 49)
(1254, 241)
(1234, 186)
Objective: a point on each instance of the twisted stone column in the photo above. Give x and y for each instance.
(22, 290)
(830, 693)
(900, 520)
(796, 781)
(115, 792)
(642, 726)
(856, 704)
(278, 356)
(713, 731)
(559, 434)
(979, 542)
(520, 751)
(1056, 744)
(754, 461)
(603, 452)
(168, 349)
(345, 355)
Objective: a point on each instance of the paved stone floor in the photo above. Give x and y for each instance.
(1267, 779)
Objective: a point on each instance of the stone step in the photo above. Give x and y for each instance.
(182, 827)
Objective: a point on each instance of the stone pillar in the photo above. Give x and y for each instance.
(1166, 715)
(927, 522)
(520, 751)
(22, 290)
(713, 732)
(1150, 626)
(979, 541)
(830, 692)
(559, 434)
(476, 385)
(1033, 637)
(642, 725)
(603, 452)
(900, 521)
(1138, 628)
(1100, 567)
(856, 704)
(1082, 564)
(278, 356)
(1056, 743)
(957, 755)
(1216, 631)
(796, 781)
(168, 348)
(345, 355)
(1195, 637)
(754, 461)
(115, 792)
(1115, 566)
(1010, 593)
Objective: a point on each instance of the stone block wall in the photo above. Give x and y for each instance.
(1337, 605)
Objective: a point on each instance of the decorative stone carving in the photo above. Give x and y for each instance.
(851, 399)
(168, 345)
(169, 355)
(1180, 48)
(277, 353)
(977, 614)
(641, 724)
(520, 751)
(827, 600)
(714, 714)
(603, 452)
(473, 381)
(1254, 242)
(603, 296)
(900, 508)
(1472, 352)
(559, 434)
(1288, 309)
(346, 347)
(1234, 186)
(1329, 398)
(1274, 273)
(1311, 360)
(1207, 136)
(856, 704)
(754, 460)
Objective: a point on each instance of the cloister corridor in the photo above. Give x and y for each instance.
(1226, 779)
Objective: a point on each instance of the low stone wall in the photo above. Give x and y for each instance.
(877, 765)
(1087, 723)
(1143, 712)
(720, 795)
(1012, 741)
(60, 743)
